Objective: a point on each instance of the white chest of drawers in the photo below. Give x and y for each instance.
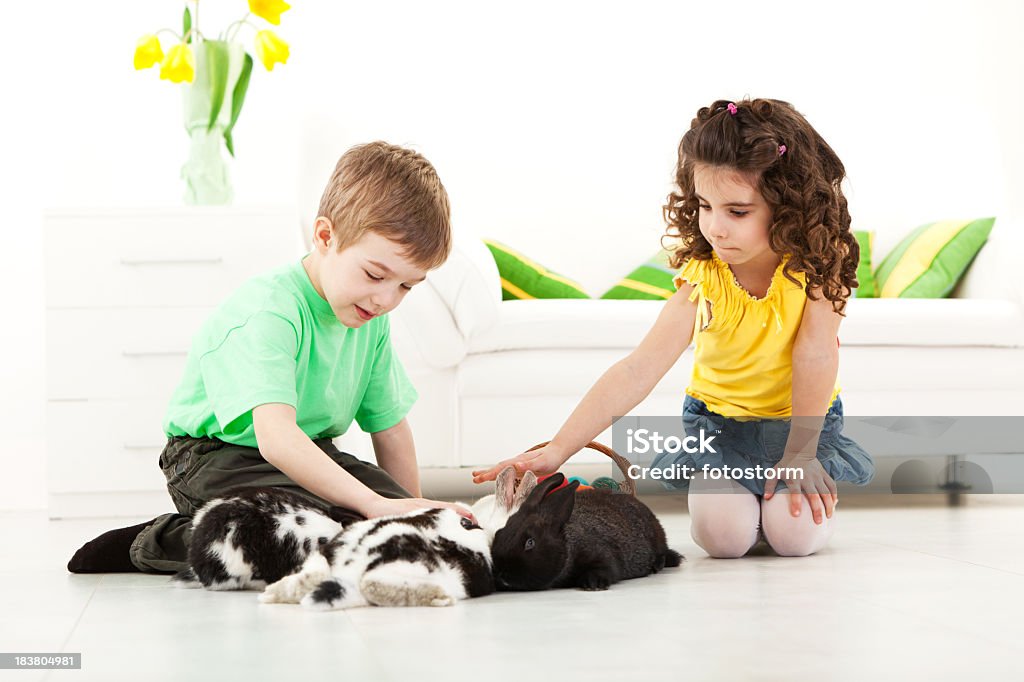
(125, 291)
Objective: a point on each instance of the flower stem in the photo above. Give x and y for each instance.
(182, 38)
(238, 24)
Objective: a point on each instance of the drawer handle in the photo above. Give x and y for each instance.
(153, 353)
(172, 261)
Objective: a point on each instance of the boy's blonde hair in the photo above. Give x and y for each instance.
(394, 192)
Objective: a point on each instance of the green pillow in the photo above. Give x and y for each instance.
(652, 281)
(521, 278)
(867, 287)
(931, 260)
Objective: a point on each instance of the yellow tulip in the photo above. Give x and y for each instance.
(271, 49)
(270, 10)
(148, 52)
(179, 65)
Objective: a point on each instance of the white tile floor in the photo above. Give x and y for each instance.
(921, 592)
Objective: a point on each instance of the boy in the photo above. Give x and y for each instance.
(290, 359)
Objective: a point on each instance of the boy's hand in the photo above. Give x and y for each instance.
(815, 483)
(541, 461)
(388, 507)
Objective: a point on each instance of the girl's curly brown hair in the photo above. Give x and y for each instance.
(810, 220)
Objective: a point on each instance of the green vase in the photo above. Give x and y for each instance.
(207, 181)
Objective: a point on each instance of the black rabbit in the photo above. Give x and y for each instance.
(590, 539)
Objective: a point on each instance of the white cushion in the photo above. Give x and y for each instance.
(423, 332)
(861, 368)
(932, 322)
(989, 274)
(567, 323)
(587, 324)
(469, 284)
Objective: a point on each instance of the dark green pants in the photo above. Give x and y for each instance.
(200, 469)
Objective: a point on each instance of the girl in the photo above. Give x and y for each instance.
(767, 262)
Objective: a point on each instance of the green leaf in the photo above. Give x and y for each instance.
(187, 24)
(217, 63)
(237, 99)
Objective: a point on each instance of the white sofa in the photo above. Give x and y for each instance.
(497, 377)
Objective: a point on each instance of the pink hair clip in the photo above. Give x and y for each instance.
(782, 149)
(732, 108)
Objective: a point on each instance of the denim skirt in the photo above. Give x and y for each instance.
(746, 444)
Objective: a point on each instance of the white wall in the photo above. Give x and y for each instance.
(553, 124)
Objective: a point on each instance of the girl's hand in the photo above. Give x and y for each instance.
(389, 507)
(542, 461)
(817, 485)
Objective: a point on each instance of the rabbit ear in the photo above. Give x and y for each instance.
(558, 505)
(541, 490)
(524, 489)
(505, 487)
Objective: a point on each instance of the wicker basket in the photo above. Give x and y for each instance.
(628, 484)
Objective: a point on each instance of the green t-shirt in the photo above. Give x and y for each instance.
(276, 340)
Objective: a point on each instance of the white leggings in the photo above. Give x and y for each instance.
(725, 517)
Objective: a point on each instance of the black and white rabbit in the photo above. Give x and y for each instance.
(432, 557)
(251, 537)
(591, 539)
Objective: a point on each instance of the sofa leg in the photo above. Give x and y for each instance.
(954, 485)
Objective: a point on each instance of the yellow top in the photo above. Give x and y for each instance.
(743, 361)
